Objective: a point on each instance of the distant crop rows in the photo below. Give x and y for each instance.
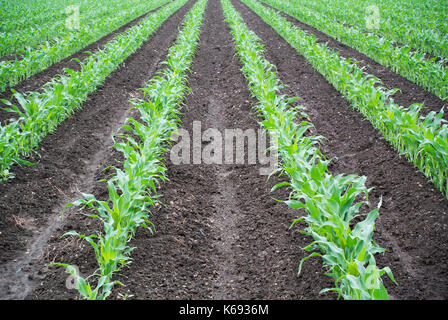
(411, 64)
(35, 59)
(27, 24)
(423, 140)
(419, 24)
(39, 113)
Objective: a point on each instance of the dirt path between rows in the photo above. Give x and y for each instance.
(72, 158)
(414, 216)
(410, 92)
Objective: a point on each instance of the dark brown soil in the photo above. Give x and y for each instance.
(220, 233)
(413, 218)
(409, 92)
(34, 83)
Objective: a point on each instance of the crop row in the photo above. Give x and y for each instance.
(423, 140)
(418, 25)
(411, 64)
(133, 189)
(329, 201)
(40, 112)
(35, 60)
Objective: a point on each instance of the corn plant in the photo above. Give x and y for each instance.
(423, 140)
(133, 189)
(39, 113)
(329, 201)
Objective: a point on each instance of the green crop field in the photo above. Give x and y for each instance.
(120, 120)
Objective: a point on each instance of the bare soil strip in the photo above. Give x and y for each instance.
(72, 158)
(410, 92)
(35, 82)
(413, 218)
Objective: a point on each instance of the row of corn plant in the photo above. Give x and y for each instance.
(39, 113)
(423, 140)
(418, 24)
(133, 189)
(329, 201)
(412, 64)
(35, 60)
